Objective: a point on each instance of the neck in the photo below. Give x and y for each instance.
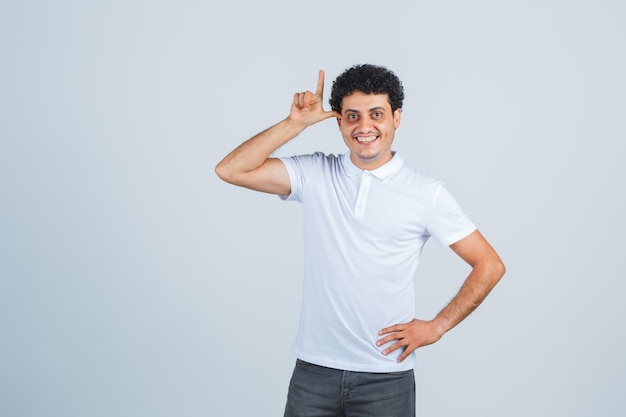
(370, 164)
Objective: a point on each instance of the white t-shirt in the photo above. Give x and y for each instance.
(363, 235)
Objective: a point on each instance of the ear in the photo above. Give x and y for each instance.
(397, 115)
(339, 122)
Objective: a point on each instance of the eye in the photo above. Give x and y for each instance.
(377, 114)
(352, 116)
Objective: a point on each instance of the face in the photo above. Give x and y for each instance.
(368, 126)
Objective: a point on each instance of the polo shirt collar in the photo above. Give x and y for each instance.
(381, 172)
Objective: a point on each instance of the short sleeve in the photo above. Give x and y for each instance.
(447, 222)
(298, 167)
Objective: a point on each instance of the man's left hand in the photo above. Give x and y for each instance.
(409, 336)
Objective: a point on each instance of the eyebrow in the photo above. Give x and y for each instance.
(370, 110)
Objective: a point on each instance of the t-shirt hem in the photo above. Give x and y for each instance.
(458, 236)
(407, 364)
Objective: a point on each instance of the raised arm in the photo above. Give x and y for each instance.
(487, 269)
(250, 165)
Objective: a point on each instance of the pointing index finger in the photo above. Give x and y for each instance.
(320, 84)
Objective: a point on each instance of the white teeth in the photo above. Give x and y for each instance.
(366, 139)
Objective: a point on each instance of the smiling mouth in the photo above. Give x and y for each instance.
(366, 139)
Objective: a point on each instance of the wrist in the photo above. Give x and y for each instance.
(295, 124)
(439, 326)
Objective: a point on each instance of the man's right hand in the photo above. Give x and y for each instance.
(250, 164)
(307, 107)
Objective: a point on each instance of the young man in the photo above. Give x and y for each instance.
(366, 218)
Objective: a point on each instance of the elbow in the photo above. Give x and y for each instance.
(498, 269)
(502, 269)
(219, 171)
(223, 172)
(229, 175)
(492, 269)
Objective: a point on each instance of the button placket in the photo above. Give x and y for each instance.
(361, 199)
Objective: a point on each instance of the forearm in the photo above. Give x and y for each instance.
(476, 287)
(255, 151)
(418, 333)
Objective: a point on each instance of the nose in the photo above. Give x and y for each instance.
(365, 125)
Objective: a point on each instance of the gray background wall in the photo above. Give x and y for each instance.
(134, 283)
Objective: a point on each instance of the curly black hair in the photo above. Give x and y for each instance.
(368, 79)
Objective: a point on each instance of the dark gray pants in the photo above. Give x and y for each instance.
(317, 391)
